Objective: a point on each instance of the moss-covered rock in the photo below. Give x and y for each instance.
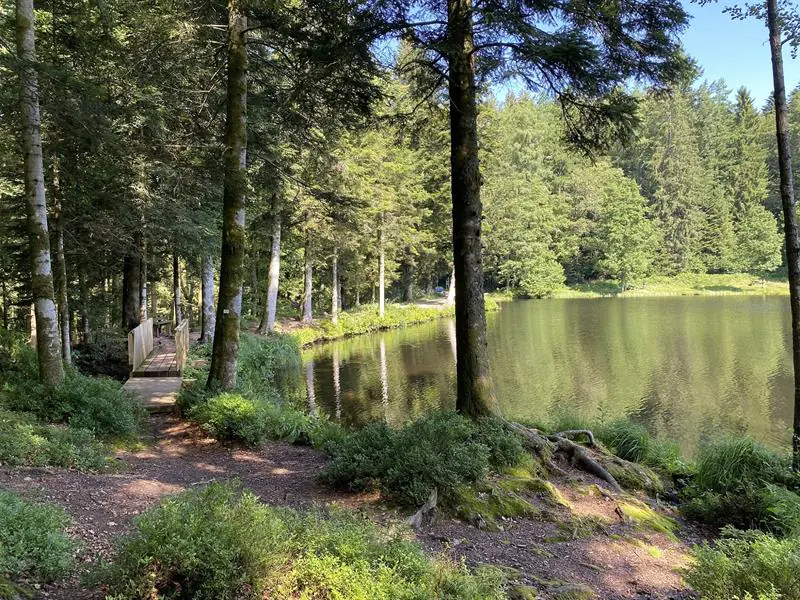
(644, 517)
(523, 592)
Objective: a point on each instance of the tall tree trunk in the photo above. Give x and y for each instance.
(130, 291)
(308, 295)
(207, 293)
(451, 290)
(143, 284)
(358, 296)
(381, 274)
(225, 353)
(475, 394)
(61, 269)
(176, 290)
(48, 341)
(84, 297)
(335, 286)
(273, 277)
(788, 201)
(5, 303)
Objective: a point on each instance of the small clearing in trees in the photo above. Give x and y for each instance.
(593, 540)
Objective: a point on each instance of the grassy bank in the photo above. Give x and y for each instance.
(686, 284)
(365, 319)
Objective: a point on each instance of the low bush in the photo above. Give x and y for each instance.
(99, 405)
(26, 442)
(443, 450)
(220, 542)
(105, 355)
(742, 483)
(33, 544)
(746, 565)
(267, 365)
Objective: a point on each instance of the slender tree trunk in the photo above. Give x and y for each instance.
(176, 290)
(5, 303)
(84, 297)
(451, 290)
(335, 286)
(308, 298)
(381, 275)
(225, 352)
(358, 296)
(475, 394)
(788, 201)
(143, 284)
(61, 269)
(48, 341)
(130, 291)
(273, 277)
(209, 317)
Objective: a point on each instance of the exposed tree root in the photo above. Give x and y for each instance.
(590, 458)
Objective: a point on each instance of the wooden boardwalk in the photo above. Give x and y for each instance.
(157, 380)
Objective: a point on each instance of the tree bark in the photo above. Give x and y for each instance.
(176, 290)
(143, 284)
(130, 291)
(408, 281)
(84, 298)
(273, 277)
(224, 355)
(475, 395)
(209, 317)
(308, 297)
(451, 290)
(48, 341)
(335, 286)
(381, 274)
(62, 297)
(789, 205)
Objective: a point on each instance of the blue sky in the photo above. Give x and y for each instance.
(736, 51)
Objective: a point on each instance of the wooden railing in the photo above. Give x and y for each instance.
(140, 343)
(182, 344)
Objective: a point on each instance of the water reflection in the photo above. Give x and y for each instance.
(686, 367)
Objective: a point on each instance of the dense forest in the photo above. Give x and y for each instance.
(132, 120)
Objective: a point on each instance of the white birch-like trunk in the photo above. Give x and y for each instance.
(274, 275)
(207, 294)
(381, 277)
(176, 290)
(335, 286)
(48, 340)
(308, 304)
(451, 291)
(143, 281)
(60, 275)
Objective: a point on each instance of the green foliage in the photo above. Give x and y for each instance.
(742, 483)
(746, 565)
(266, 364)
(442, 450)
(219, 542)
(97, 404)
(631, 441)
(26, 442)
(32, 540)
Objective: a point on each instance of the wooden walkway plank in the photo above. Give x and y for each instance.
(158, 394)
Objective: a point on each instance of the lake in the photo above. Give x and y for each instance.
(686, 367)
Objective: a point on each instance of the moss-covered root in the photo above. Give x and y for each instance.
(592, 458)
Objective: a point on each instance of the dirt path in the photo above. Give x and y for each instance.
(619, 562)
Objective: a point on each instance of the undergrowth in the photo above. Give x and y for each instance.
(442, 450)
(33, 544)
(746, 565)
(220, 542)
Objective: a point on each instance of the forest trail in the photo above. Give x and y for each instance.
(618, 561)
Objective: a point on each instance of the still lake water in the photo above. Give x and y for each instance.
(686, 367)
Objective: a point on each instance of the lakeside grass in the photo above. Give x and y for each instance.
(365, 319)
(685, 284)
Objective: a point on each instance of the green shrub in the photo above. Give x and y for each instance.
(266, 365)
(443, 450)
(25, 442)
(742, 483)
(219, 542)
(633, 442)
(32, 540)
(746, 565)
(97, 404)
